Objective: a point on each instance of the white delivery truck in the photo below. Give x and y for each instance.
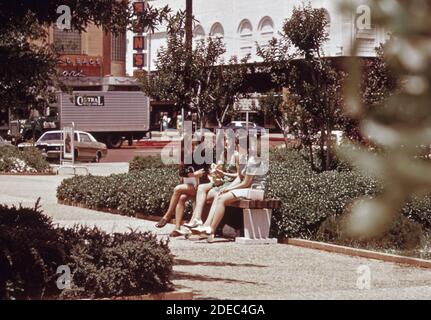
(111, 116)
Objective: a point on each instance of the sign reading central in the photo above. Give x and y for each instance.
(84, 101)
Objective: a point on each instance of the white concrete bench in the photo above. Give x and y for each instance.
(257, 220)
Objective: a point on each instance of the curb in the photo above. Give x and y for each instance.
(137, 215)
(28, 174)
(155, 144)
(160, 144)
(415, 262)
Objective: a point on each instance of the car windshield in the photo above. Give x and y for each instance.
(54, 136)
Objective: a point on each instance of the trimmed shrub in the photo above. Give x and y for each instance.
(308, 198)
(404, 234)
(29, 160)
(30, 252)
(143, 163)
(102, 265)
(106, 265)
(148, 191)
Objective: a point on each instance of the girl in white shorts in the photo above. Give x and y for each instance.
(253, 173)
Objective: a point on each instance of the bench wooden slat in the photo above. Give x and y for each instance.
(253, 204)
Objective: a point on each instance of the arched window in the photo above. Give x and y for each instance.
(217, 30)
(198, 32)
(245, 31)
(266, 31)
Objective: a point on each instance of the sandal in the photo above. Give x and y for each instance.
(198, 230)
(193, 224)
(163, 222)
(179, 233)
(175, 234)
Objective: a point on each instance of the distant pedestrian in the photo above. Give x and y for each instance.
(165, 121)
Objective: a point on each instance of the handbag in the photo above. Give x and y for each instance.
(256, 192)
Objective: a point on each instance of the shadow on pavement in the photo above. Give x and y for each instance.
(178, 275)
(215, 264)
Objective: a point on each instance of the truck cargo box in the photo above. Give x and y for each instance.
(111, 111)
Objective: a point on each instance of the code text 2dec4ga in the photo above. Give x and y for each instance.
(216, 309)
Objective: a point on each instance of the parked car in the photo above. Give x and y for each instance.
(3, 142)
(242, 125)
(87, 148)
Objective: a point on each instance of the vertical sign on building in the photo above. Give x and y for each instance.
(139, 39)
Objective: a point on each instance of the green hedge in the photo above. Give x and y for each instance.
(102, 265)
(308, 198)
(29, 160)
(105, 265)
(149, 162)
(30, 252)
(404, 234)
(147, 191)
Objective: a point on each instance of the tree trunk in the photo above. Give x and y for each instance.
(286, 141)
(310, 150)
(328, 148)
(223, 116)
(322, 149)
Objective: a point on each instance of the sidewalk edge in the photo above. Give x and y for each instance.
(416, 262)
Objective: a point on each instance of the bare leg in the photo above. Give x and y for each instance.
(201, 198)
(179, 190)
(218, 209)
(179, 210)
(214, 196)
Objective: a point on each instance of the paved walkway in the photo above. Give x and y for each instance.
(225, 270)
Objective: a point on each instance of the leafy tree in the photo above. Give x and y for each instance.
(228, 86)
(296, 61)
(28, 73)
(282, 108)
(200, 80)
(378, 83)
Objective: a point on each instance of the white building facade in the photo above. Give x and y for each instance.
(243, 23)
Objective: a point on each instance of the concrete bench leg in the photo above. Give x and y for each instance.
(257, 223)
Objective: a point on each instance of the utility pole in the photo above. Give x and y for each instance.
(189, 48)
(189, 25)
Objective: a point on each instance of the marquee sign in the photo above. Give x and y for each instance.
(139, 7)
(139, 60)
(80, 65)
(139, 41)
